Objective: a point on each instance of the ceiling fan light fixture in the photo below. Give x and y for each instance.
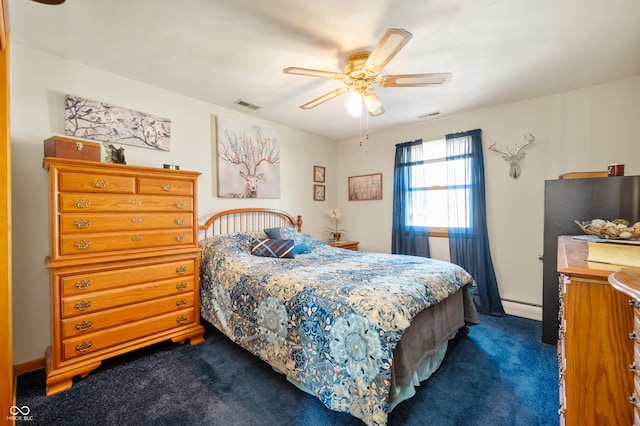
(372, 102)
(363, 70)
(354, 104)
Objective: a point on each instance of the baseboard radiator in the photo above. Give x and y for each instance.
(522, 309)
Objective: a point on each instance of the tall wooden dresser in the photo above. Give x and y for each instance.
(594, 349)
(124, 263)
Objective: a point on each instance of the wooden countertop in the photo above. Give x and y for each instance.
(572, 259)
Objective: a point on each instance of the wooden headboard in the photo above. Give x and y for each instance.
(247, 219)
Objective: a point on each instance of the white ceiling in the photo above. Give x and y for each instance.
(220, 51)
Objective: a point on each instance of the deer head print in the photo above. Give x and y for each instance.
(251, 157)
(251, 185)
(514, 158)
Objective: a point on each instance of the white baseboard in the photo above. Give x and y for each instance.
(523, 310)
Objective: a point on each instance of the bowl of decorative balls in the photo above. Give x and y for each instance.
(618, 229)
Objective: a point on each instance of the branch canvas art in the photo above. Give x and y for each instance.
(248, 160)
(100, 121)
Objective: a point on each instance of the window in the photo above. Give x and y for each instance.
(434, 181)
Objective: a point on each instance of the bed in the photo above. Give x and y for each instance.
(357, 330)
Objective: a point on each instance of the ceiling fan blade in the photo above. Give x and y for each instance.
(373, 103)
(313, 73)
(415, 80)
(324, 98)
(387, 48)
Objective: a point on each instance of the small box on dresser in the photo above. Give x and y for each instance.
(124, 263)
(61, 147)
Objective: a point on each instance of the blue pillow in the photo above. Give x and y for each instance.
(289, 233)
(265, 247)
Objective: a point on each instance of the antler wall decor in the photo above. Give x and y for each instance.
(514, 158)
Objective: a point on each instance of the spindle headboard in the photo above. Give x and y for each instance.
(246, 219)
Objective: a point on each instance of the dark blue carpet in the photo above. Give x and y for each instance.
(500, 374)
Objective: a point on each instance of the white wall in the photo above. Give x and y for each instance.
(39, 83)
(581, 130)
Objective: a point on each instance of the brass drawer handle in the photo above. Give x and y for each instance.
(136, 202)
(84, 325)
(633, 399)
(84, 346)
(181, 269)
(136, 238)
(180, 204)
(136, 220)
(180, 238)
(82, 223)
(101, 184)
(181, 220)
(181, 302)
(82, 244)
(634, 336)
(181, 319)
(83, 306)
(167, 187)
(82, 204)
(82, 284)
(181, 286)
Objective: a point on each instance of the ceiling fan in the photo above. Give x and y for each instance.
(363, 70)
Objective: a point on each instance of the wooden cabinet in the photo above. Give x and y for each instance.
(124, 263)
(627, 281)
(594, 348)
(349, 245)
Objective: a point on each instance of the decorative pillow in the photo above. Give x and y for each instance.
(289, 233)
(266, 247)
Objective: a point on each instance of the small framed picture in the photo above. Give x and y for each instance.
(318, 174)
(365, 187)
(318, 192)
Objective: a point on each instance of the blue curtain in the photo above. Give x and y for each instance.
(468, 237)
(407, 239)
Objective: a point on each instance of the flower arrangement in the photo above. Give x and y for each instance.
(334, 231)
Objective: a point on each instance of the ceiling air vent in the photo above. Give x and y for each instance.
(247, 104)
(429, 115)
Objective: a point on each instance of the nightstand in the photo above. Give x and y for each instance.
(349, 245)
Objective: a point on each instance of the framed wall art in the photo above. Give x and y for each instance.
(86, 118)
(365, 187)
(248, 160)
(318, 174)
(318, 192)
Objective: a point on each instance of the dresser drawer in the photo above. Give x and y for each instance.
(165, 187)
(122, 296)
(113, 203)
(94, 182)
(78, 223)
(86, 324)
(83, 283)
(104, 243)
(94, 342)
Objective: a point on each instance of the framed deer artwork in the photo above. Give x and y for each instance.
(248, 160)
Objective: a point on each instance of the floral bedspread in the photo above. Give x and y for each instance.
(329, 319)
